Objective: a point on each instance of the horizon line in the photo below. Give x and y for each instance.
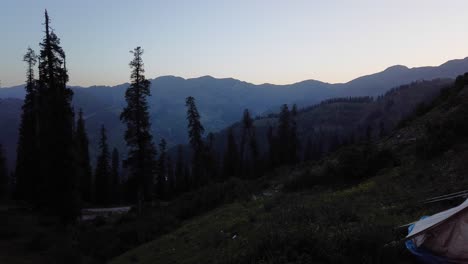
(252, 83)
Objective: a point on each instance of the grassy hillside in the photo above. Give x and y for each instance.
(345, 208)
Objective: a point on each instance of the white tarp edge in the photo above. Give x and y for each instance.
(424, 224)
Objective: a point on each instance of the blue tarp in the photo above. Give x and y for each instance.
(424, 256)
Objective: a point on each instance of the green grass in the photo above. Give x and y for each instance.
(199, 239)
(354, 224)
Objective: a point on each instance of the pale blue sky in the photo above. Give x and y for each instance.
(253, 40)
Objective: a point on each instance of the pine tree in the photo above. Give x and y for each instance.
(141, 159)
(293, 139)
(247, 124)
(248, 158)
(27, 152)
(115, 175)
(211, 162)
(57, 183)
(179, 174)
(257, 162)
(314, 147)
(308, 150)
(231, 156)
(369, 132)
(195, 132)
(3, 174)
(272, 147)
(103, 171)
(162, 170)
(83, 167)
(284, 139)
(170, 186)
(187, 179)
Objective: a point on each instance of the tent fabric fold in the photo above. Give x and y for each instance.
(444, 234)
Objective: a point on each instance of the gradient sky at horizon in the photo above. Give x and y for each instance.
(252, 40)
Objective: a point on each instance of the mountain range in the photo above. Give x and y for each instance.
(220, 101)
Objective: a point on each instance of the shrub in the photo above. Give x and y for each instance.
(350, 164)
(440, 135)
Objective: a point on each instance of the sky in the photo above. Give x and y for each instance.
(258, 41)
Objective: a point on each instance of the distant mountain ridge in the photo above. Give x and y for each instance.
(395, 73)
(221, 101)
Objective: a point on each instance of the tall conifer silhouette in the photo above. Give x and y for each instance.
(248, 148)
(195, 133)
(293, 138)
(27, 152)
(162, 170)
(115, 176)
(284, 125)
(57, 184)
(141, 158)
(103, 171)
(231, 156)
(83, 167)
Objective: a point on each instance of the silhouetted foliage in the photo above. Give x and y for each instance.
(440, 135)
(115, 175)
(284, 145)
(231, 156)
(179, 174)
(56, 178)
(293, 139)
(284, 125)
(103, 172)
(170, 189)
(162, 170)
(382, 131)
(359, 100)
(248, 147)
(272, 147)
(358, 162)
(195, 133)
(3, 174)
(369, 133)
(83, 167)
(27, 149)
(308, 150)
(211, 159)
(141, 158)
(350, 164)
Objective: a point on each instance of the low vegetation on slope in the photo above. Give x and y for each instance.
(346, 208)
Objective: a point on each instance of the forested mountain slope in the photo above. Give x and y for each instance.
(221, 101)
(345, 208)
(337, 121)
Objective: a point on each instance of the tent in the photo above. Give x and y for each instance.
(441, 238)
